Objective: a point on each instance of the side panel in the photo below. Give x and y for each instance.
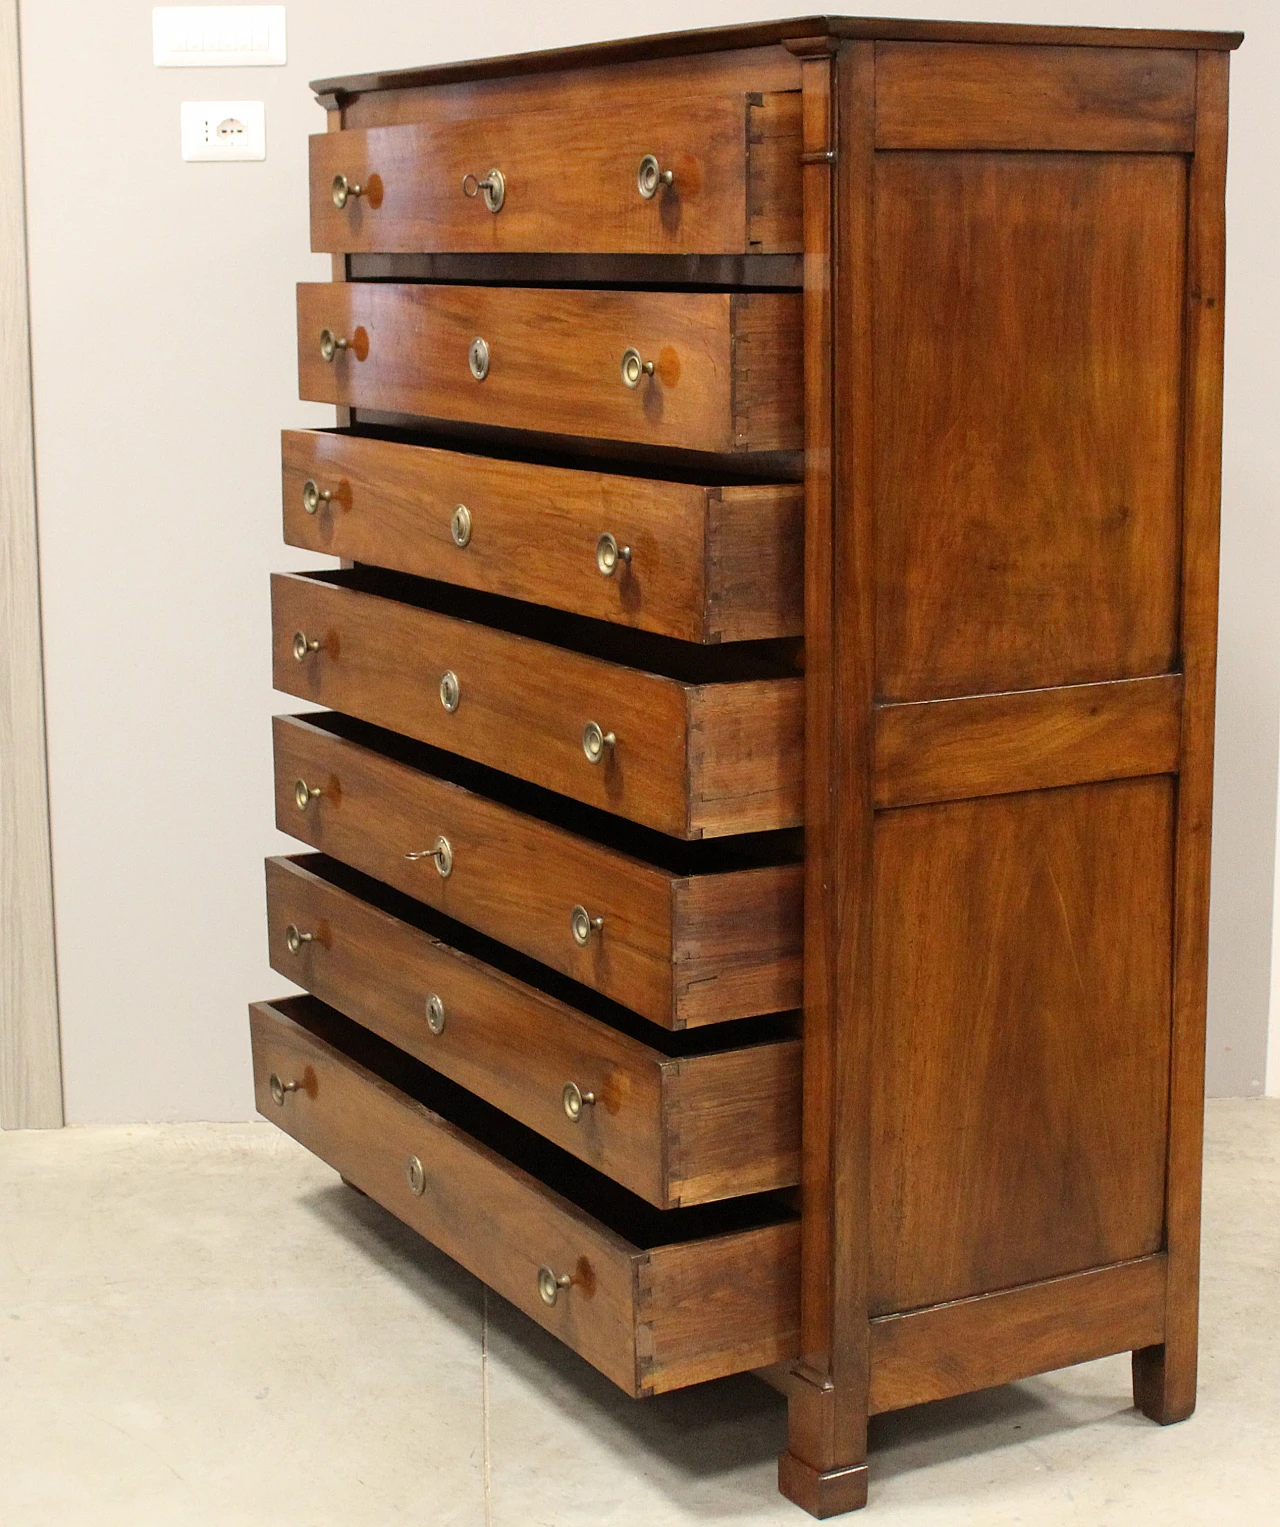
(1021, 1048)
(1028, 419)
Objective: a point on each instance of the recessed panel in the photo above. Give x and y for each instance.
(1028, 357)
(1022, 961)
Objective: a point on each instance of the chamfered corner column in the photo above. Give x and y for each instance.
(1164, 1376)
(824, 1468)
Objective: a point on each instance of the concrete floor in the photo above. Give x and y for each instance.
(201, 1326)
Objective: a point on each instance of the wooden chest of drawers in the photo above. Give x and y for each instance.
(760, 823)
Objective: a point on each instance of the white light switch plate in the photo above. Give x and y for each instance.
(217, 36)
(224, 130)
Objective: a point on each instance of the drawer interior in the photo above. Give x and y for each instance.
(614, 1206)
(608, 272)
(594, 456)
(674, 1043)
(678, 856)
(687, 662)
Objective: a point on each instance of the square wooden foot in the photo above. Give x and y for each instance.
(822, 1495)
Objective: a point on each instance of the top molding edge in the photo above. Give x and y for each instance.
(332, 92)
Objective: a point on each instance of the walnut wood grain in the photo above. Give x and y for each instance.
(570, 180)
(940, 750)
(733, 1302)
(1165, 1375)
(681, 950)
(726, 378)
(690, 50)
(593, 93)
(996, 1338)
(824, 1467)
(707, 564)
(501, 1223)
(948, 95)
(1021, 976)
(382, 660)
(1027, 493)
(674, 1129)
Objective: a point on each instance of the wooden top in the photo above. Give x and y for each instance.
(763, 34)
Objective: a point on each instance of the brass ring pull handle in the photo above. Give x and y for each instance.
(303, 646)
(441, 852)
(304, 794)
(574, 1100)
(633, 368)
(435, 1014)
(609, 554)
(649, 177)
(342, 189)
(549, 1285)
(494, 186)
(281, 1090)
(415, 1175)
(460, 525)
(295, 938)
(330, 344)
(313, 495)
(582, 925)
(595, 741)
(450, 691)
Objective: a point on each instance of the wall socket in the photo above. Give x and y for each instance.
(232, 131)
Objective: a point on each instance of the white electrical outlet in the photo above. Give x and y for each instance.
(217, 36)
(224, 130)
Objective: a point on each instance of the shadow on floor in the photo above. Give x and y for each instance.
(710, 1432)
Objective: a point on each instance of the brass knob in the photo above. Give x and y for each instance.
(549, 1285)
(450, 691)
(313, 496)
(582, 925)
(633, 368)
(342, 188)
(280, 1090)
(416, 1176)
(303, 645)
(649, 177)
(441, 852)
(494, 186)
(435, 1014)
(609, 554)
(330, 344)
(304, 794)
(295, 938)
(460, 525)
(595, 741)
(574, 1100)
(478, 358)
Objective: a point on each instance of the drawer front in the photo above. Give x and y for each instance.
(621, 1309)
(688, 760)
(569, 182)
(679, 951)
(672, 1130)
(726, 368)
(696, 563)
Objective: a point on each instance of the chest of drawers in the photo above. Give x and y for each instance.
(757, 901)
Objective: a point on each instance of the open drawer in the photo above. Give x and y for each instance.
(654, 1300)
(684, 934)
(679, 1118)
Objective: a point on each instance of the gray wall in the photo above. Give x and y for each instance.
(162, 299)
